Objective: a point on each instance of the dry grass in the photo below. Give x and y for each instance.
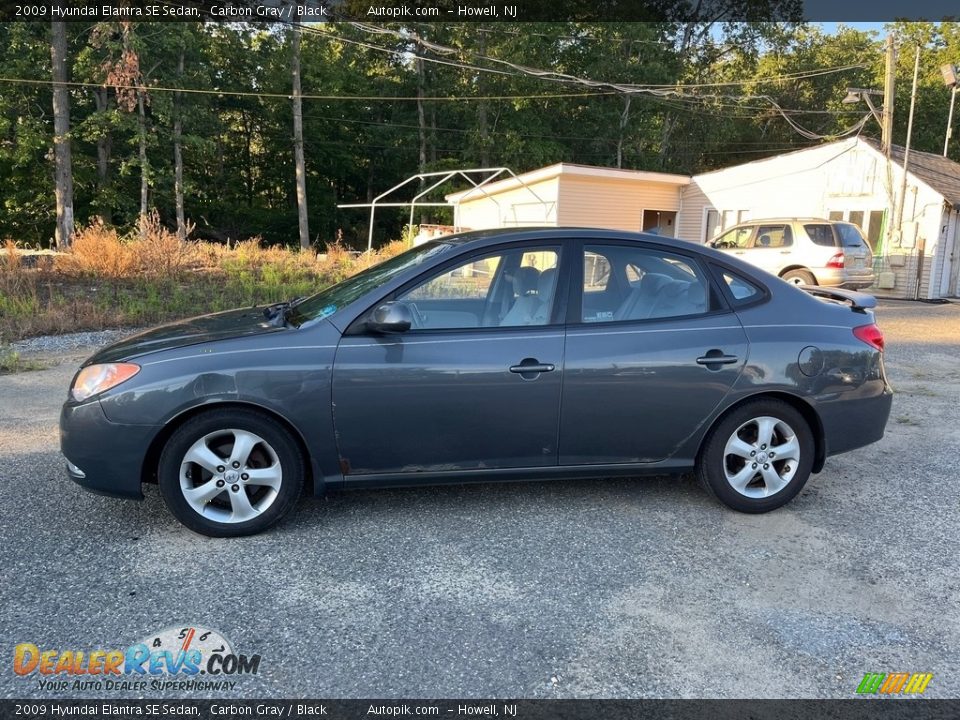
(149, 275)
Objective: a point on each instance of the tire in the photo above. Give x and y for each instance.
(799, 277)
(211, 496)
(738, 479)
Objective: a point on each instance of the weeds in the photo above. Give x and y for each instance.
(12, 362)
(149, 275)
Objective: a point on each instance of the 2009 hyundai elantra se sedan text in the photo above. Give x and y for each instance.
(500, 355)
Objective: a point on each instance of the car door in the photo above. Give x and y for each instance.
(735, 241)
(474, 384)
(773, 247)
(637, 384)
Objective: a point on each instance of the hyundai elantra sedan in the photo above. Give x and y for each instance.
(500, 355)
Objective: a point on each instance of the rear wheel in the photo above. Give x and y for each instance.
(799, 277)
(231, 472)
(758, 457)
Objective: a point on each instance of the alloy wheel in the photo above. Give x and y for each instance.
(761, 457)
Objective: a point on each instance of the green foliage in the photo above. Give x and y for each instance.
(363, 131)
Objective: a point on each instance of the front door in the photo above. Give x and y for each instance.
(474, 384)
(639, 380)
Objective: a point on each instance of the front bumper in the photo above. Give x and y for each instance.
(103, 457)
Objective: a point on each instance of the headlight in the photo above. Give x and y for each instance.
(95, 379)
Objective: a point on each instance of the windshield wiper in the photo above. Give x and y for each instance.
(280, 309)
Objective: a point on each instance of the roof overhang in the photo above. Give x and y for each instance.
(569, 169)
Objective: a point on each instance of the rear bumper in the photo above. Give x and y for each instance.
(844, 278)
(851, 423)
(103, 457)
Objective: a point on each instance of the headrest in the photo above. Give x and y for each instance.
(526, 280)
(651, 283)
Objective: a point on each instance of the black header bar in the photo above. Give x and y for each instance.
(447, 11)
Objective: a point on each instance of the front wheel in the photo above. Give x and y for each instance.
(758, 457)
(227, 473)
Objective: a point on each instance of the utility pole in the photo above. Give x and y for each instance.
(906, 150)
(949, 72)
(889, 80)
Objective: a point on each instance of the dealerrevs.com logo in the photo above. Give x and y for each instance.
(178, 658)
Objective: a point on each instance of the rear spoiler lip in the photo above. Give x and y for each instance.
(859, 302)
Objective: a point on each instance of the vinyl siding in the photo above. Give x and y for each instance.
(512, 208)
(610, 203)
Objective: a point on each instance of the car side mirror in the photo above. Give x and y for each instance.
(390, 317)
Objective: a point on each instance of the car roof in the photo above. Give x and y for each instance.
(764, 221)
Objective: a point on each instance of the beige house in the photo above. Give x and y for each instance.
(846, 180)
(575, 196)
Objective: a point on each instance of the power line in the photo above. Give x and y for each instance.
(288, 96)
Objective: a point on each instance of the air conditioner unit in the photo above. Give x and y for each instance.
(886, 280)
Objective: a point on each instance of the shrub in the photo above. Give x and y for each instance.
(97, 251)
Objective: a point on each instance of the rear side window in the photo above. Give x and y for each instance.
(821, 234)
(850, 235)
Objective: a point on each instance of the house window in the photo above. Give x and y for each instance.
(711, 217)
(836, 215)
(856, 217)
(734, 217)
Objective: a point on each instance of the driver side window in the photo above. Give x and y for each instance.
(737, 238)
(509, 289)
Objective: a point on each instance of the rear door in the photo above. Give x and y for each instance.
(773, 247)
(640, 382)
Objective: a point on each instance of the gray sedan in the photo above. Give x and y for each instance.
(500, 355)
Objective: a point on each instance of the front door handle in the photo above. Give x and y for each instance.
(531, 366)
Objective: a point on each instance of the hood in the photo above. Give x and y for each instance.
(206, 328)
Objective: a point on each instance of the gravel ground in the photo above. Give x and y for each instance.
(611, 588)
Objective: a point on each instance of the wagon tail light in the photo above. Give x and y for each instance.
(871, 334)
(836, 261)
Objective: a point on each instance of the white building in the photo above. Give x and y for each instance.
(845, 180)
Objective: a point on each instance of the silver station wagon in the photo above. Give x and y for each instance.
(804, 251)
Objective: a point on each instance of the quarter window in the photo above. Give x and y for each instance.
(740, 288)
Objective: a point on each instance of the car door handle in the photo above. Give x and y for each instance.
(717, 359)
(529, 365)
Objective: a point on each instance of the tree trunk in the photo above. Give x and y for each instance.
(421, 115)
(624, 119)
(178, 150)
(482, 125)
(63, 173)
(144, 170)
(298, 134)
(101, 97)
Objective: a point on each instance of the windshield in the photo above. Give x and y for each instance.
(328, 301)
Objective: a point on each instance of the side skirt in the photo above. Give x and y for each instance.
(563, 472)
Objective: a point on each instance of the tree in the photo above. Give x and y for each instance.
(298, 132)
(63, 175)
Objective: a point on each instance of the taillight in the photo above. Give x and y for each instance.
(872, 335)
(836, 261)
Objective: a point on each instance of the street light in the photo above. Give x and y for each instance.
(855, 95)
(949, 72)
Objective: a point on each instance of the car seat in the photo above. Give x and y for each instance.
(526, 283)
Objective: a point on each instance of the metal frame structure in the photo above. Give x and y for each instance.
(492, 174)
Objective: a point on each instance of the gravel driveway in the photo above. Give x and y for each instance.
(611, 588)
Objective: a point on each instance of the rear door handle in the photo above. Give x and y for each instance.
(717, 360)
(533, 367)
